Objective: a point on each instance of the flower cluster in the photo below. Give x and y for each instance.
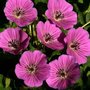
(33, 67)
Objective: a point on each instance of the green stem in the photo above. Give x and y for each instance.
(30, 30)
(86, 24)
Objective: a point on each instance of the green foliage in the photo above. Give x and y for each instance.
(80, 1)
(43, 1)
(1, 78)
(2, 87)
(7, 82)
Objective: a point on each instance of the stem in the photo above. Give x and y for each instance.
(34, 31)
(86, 24)
(30, 30)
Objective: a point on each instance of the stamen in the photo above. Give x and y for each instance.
(47, 37)
(62, 74)
(31, 69)
(14, 44)
(18, 12)
(58, 16)
(75, 45)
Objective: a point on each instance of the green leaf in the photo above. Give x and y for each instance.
(31, 47)
(80, 1)
(81, 69)
(88, 17)
(7, 82)
(81, 18)
(9, 88)
(54, 54)
(1, 29)
(88, 73)
(64, 31)
(80, 82)
(87, 64)
(37, 1)
(88, 10)
(1, 88)
(1, 84)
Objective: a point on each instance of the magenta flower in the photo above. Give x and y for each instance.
(20, 11)
(63, 72)
(60, 13)
(33, 68)
(13, 40)
(50, 35)
(78, 44)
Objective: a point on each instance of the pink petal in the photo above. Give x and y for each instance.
(26, 58)
(33, 81)
(20, 72)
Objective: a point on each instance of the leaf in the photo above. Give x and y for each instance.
(80, 15)
(31, 47)
(80, 82)
(88, 73)
(88, 10)
(1, 29)
(80, 1)
(64, 31)
(81, 18)
(87, 64)
(43, 1)
(1, 88)
(55, 53)
(1, 84)
(9, 88)
(24, 88)
(7, 82)
(88, 17)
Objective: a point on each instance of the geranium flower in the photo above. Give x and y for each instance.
(20, 11)
(63, 72)
(33, 68)
(78, 44)
(60, 13)
(50, 35)
(13, 40)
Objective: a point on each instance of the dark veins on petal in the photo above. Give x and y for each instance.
(75, 45)
(18, 12)
(58, 15)
(14, 44)
(47, 37)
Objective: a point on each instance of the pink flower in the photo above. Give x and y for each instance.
(33, 68)
(60, 12)
(20, 11)
(13, 40)
(50, 35)
(78, 44)
(63, 72)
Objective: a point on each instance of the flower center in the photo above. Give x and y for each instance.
(14, 44)
(47, 37)
(32, 69)
(58, 16)
(62, 74)
(75, 45)
(18, 12)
